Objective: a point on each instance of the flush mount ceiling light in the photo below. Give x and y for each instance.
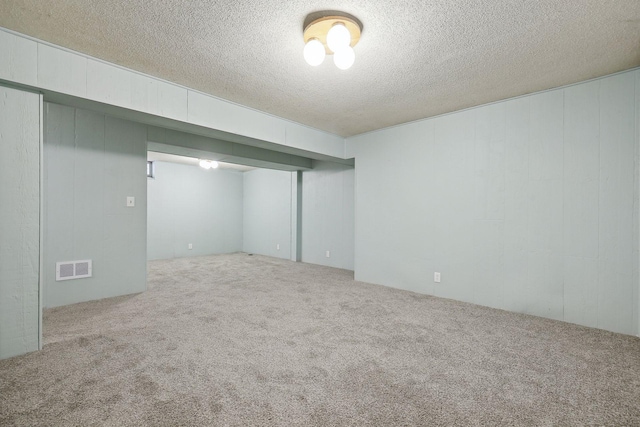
(208, 164)
(335, 34)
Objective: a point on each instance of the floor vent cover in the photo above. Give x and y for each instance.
(68, 270)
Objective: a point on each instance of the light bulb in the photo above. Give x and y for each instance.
(214, 164)
(205, 164)
(314, 52)
(344, 57)
(338, 37)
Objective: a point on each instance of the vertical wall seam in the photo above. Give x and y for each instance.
(75, 153)
(102, 166)
(86, 78)
(12, 61)
(598, 324)
(41, 222)
(300, 210)
(504, 202)
(564, 177)
(636, 200)
(38, 64)
(477, 204)
(291, 233)
(24, 173)
(528, 188)
(634, 216)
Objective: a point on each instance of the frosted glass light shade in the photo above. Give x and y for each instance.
(338, 37)
(344, 57)
(208, 164)
(314, 52)
(332, 33)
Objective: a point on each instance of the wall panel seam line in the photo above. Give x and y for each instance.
(86, 78)
(73, 168)
(598, 323)
(636, 200)
(41, 222)
(564, 127)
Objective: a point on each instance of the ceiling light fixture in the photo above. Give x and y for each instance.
(208, 164)
(335, 35)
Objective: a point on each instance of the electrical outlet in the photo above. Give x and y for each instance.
(328, 254)
(436, 277)
(190, 246)
(131, 201)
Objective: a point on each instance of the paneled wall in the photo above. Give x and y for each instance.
(190, 205)
(267, 211)
(19, 221)
(92, 163)
(44, 66)
(529, 205)
(328, 215)
(226, 211)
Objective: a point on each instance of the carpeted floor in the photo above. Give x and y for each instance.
(251, 340)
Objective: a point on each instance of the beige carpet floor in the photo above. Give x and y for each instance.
(251, 340)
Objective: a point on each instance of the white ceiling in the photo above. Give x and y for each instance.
(414, 60)
(154, 156)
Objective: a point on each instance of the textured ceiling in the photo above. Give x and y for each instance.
(414, 60)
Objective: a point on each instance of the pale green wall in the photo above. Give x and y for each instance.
(92, 162)
(479, 195)
(222, 211)
(188, 204)
(328, 215)
(60, 72)
(270, 208)
(20, 221)
(267, 211)
(528, 205)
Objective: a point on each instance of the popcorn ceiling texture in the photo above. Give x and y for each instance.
(258, 341)
(415, 59)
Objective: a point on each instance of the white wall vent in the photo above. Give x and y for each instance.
(68, 270)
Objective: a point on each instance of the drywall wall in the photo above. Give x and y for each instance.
(20, 222)
(92, 163)
(50, 68)
(328, 215)
(524, 205)
(267, 211)
(190, 205)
